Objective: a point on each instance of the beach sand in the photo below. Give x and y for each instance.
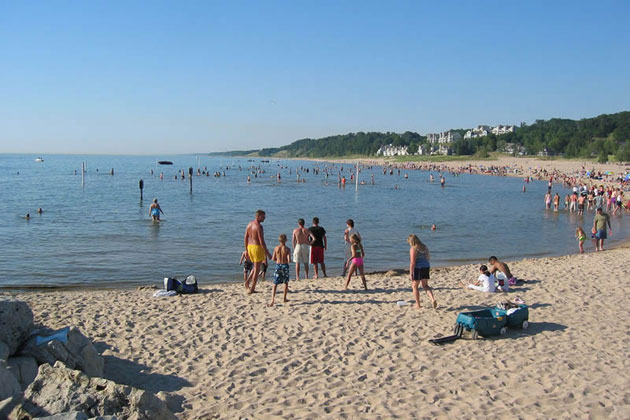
(526, 166)
(334, 354)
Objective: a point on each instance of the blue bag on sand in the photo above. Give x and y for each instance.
(188, 286)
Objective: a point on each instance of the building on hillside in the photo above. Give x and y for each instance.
(424, 150)
(479, 131)
(390, 150)
(443, 138)
(515, 149)
(444, 150)
(502, 129)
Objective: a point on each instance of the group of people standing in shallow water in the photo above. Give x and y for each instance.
(587, 198)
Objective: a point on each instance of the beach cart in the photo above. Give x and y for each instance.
(485, 323)
(515, 317)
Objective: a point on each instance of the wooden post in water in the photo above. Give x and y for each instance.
(141, 185)
(356, 178)
(83, 174)
(190, 174)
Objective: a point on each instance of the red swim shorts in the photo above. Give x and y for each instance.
(317, 254)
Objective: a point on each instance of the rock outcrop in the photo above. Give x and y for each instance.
(23, 368)
(16, 322)
(77, 352)
(4, 351)
(58, 390)
(9, 385)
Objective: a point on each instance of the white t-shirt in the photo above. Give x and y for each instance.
(487, 284)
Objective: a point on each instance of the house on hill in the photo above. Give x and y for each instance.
(390, 150)
(444, 137)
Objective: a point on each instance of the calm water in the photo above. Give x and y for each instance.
(100, 234)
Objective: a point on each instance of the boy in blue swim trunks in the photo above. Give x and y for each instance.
(247, 265)
(281, 255)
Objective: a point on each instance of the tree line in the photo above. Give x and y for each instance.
(601, 136)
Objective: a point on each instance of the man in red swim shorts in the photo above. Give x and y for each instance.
(318, 246)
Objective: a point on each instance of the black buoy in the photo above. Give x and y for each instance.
(190, 174)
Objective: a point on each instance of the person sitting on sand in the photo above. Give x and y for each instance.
(281, 255)
(485, 282)
(501, 267)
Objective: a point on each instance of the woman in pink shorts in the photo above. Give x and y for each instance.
(356, 260)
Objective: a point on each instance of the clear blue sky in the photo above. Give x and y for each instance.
(198, 76)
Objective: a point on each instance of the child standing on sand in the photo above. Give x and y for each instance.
(580, 235)
(281, 275)
(247, 265)
(356, 260)
(419, 269)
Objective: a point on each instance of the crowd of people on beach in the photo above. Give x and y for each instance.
(309, 245)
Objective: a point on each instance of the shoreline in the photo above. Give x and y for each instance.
(122, 286)
(534, 166)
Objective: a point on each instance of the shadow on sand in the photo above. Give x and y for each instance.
(137, 375)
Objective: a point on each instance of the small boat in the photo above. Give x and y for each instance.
(165, 162)
(39, 159)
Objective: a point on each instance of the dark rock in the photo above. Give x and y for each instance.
(24, 369)
(16, 322)
(9, 385)
(4, 351)
(77, 352)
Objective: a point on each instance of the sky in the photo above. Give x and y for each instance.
(169, 77)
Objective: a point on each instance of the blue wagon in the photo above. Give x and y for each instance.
(485, 323)
(516, 317)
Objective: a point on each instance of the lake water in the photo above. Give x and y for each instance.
(100, 234)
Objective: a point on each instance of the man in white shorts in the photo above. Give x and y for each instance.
(301, 247)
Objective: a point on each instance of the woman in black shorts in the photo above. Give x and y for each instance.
(419, 269)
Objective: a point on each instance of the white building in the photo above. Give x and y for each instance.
(389, 150)
(515, 149)
(423, 150)
(502, 129)
(443, 138)
(444, 150)
(479, 131)
(484, 130)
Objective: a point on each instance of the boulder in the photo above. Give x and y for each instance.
(4, 351)
(59, 390)
(24, 369)
(74, 349)
(6, 406)
(16, 322)
(9, 385)
(75, 415)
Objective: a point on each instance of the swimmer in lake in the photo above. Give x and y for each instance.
(155, 210)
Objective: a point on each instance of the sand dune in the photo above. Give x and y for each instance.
(334, 354)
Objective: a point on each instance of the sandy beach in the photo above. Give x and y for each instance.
(531, 166)
(334, 354)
